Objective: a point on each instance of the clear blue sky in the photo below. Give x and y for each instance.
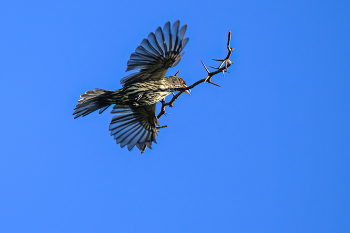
(266, 152)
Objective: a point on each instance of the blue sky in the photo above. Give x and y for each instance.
(266, 152)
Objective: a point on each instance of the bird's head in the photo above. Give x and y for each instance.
(178, 82)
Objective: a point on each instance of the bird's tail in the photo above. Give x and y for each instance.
(92, 101)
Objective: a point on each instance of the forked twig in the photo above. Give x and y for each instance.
(225, 63)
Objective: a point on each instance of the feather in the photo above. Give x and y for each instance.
(153, 41)
(98, 99)
(167, 37)
(134, 126)
(160, 51)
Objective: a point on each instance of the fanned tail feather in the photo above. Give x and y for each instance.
(98, 99)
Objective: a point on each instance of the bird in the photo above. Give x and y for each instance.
(135, 122)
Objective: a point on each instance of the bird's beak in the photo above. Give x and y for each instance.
(187, 91)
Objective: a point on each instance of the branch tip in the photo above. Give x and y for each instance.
(223, 67)
(214, 83)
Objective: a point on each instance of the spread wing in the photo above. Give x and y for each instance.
(134, 126)
(160, 51)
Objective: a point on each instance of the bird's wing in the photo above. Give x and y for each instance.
(160, 51)
(134, 126)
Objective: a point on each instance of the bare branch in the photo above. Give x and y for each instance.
(222, 68)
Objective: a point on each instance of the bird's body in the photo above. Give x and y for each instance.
(135, 103)
(146, 93)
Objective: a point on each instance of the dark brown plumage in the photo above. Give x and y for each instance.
(135, 103)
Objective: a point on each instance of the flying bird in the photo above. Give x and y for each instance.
(135, 122)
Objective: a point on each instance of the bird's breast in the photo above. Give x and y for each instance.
(145, 93)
